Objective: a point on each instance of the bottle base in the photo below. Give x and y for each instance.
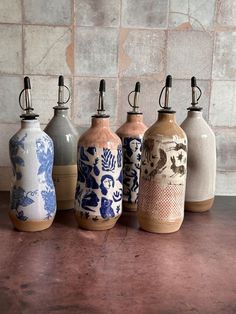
(130, 207)
(30, 226)
(199, 207)
(159, 227)
(65, 205)
(95, 225)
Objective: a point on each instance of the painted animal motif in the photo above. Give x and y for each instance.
(178, 146)
(148, 146)
(177, 169)
(160, 165)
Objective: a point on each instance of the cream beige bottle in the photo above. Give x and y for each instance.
(98, 200)
(65, 138)
(200, 188)
(163, 172)
(131, 134)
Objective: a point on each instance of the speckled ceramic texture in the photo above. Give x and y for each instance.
(98, 202)
(131, 134)
(163, 176)
(65, 138)
(33, 199)
(200, 189)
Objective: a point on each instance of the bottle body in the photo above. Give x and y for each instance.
(131, 134)
(33, 199)
(163, 176)
(200, 189)
(98, 203)
(65, 138)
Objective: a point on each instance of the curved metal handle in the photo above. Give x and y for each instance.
(20, 100)
(129, 99)
(161, 96)
(69, 95)
(200, 95)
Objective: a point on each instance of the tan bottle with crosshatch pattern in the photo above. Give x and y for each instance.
(163, 172)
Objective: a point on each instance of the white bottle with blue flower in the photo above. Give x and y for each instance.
(33, 198)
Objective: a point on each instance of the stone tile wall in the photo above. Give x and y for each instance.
(122, 41)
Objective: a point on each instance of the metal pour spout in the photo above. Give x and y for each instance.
(167, 89)
(136, 92)
(28, 109)
(102, 88)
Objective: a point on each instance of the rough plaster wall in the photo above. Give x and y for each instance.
(122, 41)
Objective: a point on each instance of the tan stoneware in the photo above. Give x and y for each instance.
(163, 172)
(98, 203)
(201, 170)
(131, 134)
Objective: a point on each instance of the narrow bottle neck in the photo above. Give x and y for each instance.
(166, 117)
(61, 112)
(100, 122)
(30, 124)
(194, 114)
(132, 117)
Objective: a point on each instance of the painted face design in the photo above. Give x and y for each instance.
(107, 183)
(134, 145)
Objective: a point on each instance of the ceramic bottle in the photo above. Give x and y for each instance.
(98, 202)
(131, 134)
(200, 189)
(163, 172)
(65, 138)
(33, 199)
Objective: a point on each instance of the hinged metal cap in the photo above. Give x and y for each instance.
(195, 99)
(28, 109)
(166, 108)
(135, 106)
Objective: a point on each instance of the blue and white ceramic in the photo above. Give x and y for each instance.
(33, 200)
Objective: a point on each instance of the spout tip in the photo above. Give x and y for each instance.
(137, 87)
(102, 86)
(193, 81)
(169, 81)
(27, 83)
(61, 80)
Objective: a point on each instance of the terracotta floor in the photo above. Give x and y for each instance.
(124, 270)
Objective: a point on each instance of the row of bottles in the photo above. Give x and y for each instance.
(138, 168)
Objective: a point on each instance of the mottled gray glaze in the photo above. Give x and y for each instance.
(64, 136)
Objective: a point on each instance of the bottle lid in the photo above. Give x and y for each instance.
(195, 99)
(135, 106)
(28, 109)
(61, 101)
(167, 88)
(101, 112)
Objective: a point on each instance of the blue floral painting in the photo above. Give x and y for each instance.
(44, 151)
(14, 145)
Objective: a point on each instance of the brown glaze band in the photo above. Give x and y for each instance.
(199, 207)
(30, 226)
(159, 227)
(129, 206)
(97, 225)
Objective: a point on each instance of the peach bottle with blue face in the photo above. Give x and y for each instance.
(131, 134)
(98, 200)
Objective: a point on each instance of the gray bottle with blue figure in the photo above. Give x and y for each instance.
(98, 202)
(65, 138)
(32, 198)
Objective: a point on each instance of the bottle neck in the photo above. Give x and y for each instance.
(30, 124)
(132, 117)
(166, 117)
(194, 114)
(61, 112)
(100, 122)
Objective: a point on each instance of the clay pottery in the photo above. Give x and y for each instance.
(65, 138)
(98, 203)
(32, 197)
(131, 134)
(163, 172)
(201, 173)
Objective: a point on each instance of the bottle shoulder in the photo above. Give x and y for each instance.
(131, 129)
(99, 137)
(197, 128)
(161, 128)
